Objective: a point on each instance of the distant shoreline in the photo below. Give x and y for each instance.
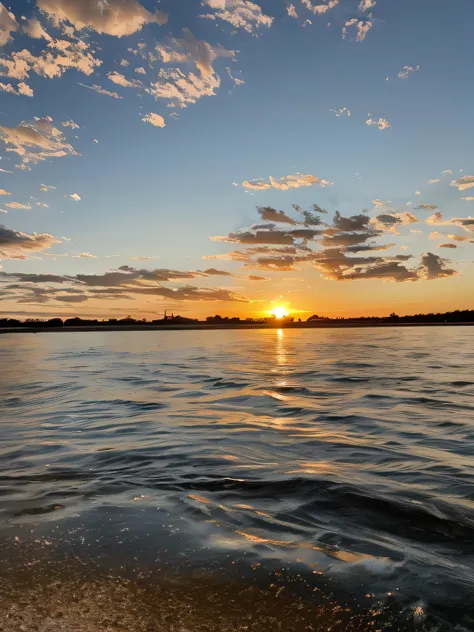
(206, 327)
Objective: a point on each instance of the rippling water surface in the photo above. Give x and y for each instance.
(226, 480)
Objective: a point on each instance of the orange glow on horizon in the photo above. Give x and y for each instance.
(279, 312)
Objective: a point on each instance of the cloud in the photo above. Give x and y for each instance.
(381, 123)
(114, 17)
(239, 13)
(71, 124)
(366, 5)
(362, 26)
(406, 70)
(434, 181)
(36, 141)
(16, 245)
(22, 89)
(84, 255)
(8, 25)
(447, 246)
(426, 207)
(257, 237)
(433, 267)
(34, 29)
(253, 277)
(389, 221)
(215, 272)
(446, 172)
(380, 203)
(75, 196)
(47, 187)
(17, 205)
(341, 112)
(352, 223)
(468, 199)
(320, 9)
(41, 204)
(59, 56)
(101, 90)
(466, 182)
(3, 192)
(269, 214)
(154, 119)
(291, 10)
(121, 80)
(283, 184)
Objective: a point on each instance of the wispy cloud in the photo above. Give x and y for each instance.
(341, 112)
(18, 205)
(466, 182)
(114, 17)
(320, 8)
(362, 27)
(286, 182)
(241, 14)
(407, 70)
(381, 123)
(101, 90)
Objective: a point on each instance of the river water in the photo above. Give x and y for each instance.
(237, 480)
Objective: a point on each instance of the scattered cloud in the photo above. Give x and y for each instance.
(71, 124)
(468, 199)
(154, 119)
(101, 90)
(366, 5)
(446, 172)
(447, 246)
(341, 112)
(406, 70)
(75, 196)
(434, 181)
(84, 255)
(320, 9)
(47, 187)
(241, 14)
(8, 25)
(34, 29)
(121, 80)
(22, 89)
(287, 182)
(466, 182)
(433, 267)
(18, 205)
(362, 26)
(291, 10)
(426, 207)
(3, 192)
(381, 123)
(269, 214)
(17, 245)
(140, 70)
(36, 141)
(114, 17)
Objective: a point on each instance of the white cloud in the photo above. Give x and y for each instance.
(124, 63)
(239, 13)
(291, 10)
(140, 70)
(381, 123)
(36, 141)
(3, 192)
(121, 80)
(406, 70)
(366, 5)
(18, 205)
(446, 172)
(114, 17)
(434, 181)
(75, 196)
(468, 199)
(34, 29)
(47, 187)
(287, 182)
(8, 25)
(42, 204)
(22, 89)
(84, 255)
(101, 90)
(154, 119)
(71, 124)
(466, 182)
(362, 26)
(320, 9)
(341, 112)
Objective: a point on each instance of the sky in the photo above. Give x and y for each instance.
(229, 157)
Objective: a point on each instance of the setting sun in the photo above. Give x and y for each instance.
(279, 312)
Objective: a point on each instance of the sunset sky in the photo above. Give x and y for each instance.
(225, 156)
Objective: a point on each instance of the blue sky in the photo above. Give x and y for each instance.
(162, 192)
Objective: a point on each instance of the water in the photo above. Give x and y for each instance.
(227, 480)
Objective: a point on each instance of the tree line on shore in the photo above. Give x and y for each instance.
(457, 316)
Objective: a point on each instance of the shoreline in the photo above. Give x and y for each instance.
(213, 327)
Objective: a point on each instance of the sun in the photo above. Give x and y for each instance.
(279, 312)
